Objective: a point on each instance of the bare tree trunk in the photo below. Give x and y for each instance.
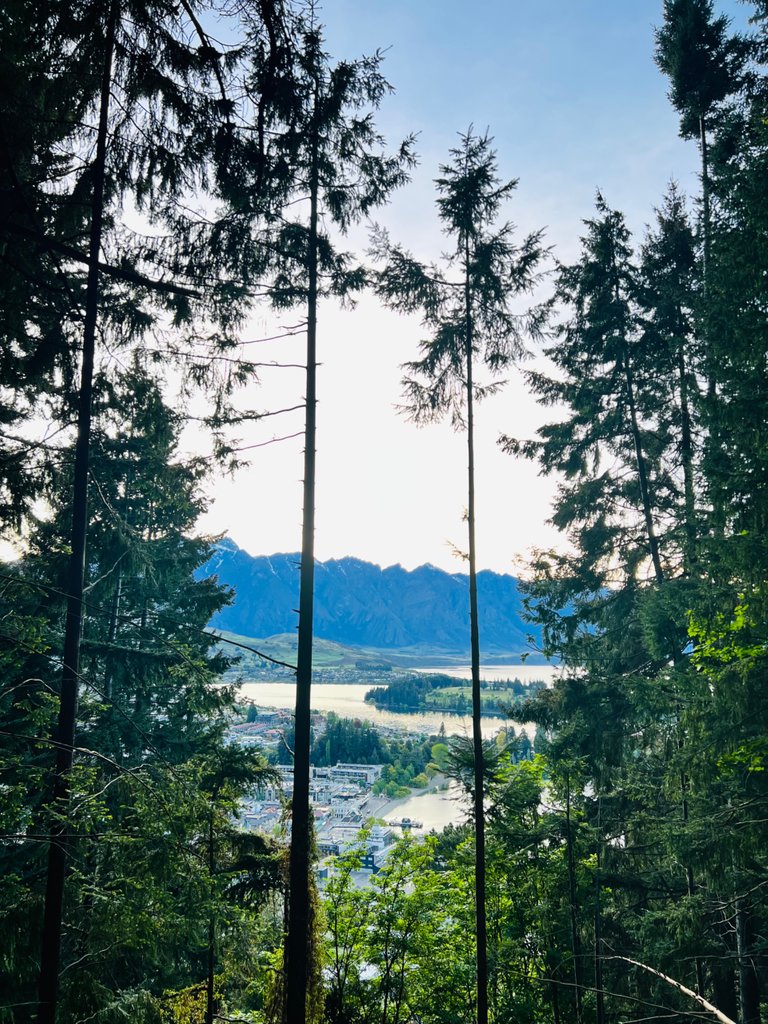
(211, 972)
(481, 931)
(706, 224)
(575, 944)
(48, 986)
(298, 939)
(689, 876)
(706, 214)
(599, 992)
(748, 988)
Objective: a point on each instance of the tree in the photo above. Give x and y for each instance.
(669, 273)
(342, 172)
(605, 364)
(147, 120)
(614, 608)
(241, 866)
(151, 713)
(468, 318)
(397, 948)
(704, 66)
(348, 916)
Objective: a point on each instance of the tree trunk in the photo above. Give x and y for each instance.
(686, 457)
(48, 986)
(575, 944)
(749, 991)
(599, 993)
(706, 225)
(689, 876)
(706, 215)
(474, 633)
(211, 973)
(298, 939)
(113, 744)
(642, 470)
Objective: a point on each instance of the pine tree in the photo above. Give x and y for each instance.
(469, 320)
(704, 65)
(613, 609)
(150, 735)
(342, 172)
(153, 122)
(616, 485)
(668, 299)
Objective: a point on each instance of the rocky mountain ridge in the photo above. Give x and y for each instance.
(359, 604)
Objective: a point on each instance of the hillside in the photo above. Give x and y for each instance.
(358, 604)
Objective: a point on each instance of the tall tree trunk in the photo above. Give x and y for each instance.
(554, 989)
(211, 972)
(114, 746)
(748, 988)
(575, 943)
(712, 406)
(474, 634)
(48, 986)
(686, 457)
(599, 992)
(706, 214)
(690, 880)
(298, 939)
(642, 469)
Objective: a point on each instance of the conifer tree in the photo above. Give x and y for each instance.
(342, 172)
(149, 121)
(470, 321)
(152, 715)
(617, 486)
(704, 65)
(669, 278)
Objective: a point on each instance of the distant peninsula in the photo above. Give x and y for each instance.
(424, 611)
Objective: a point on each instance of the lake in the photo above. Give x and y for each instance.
(346, 699)
(495, 673)
(435, 809)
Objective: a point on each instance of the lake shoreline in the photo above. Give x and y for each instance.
(386, 808)
(347, 701)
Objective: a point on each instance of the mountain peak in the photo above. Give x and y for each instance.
(357, 603)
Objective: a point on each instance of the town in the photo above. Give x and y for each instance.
(342, 796)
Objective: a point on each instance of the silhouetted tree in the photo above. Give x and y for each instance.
(470, 320)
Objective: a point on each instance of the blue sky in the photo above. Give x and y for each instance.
(570, 92)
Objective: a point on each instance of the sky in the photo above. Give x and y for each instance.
(571, 95)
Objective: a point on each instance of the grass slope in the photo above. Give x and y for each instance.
(327, 654)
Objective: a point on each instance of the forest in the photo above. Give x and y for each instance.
(158, 186)
(442, 692)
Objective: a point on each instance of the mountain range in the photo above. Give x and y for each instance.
(359, 604)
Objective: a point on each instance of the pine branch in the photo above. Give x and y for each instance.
(120, 273)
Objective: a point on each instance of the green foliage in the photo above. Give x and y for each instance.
(492, 270)
(348, 740)
(639, 826)
(398, 947)
(655, 735)
(352, 741)
(445, 693)
(187, 1006)
(701, 61)
(156, 860)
